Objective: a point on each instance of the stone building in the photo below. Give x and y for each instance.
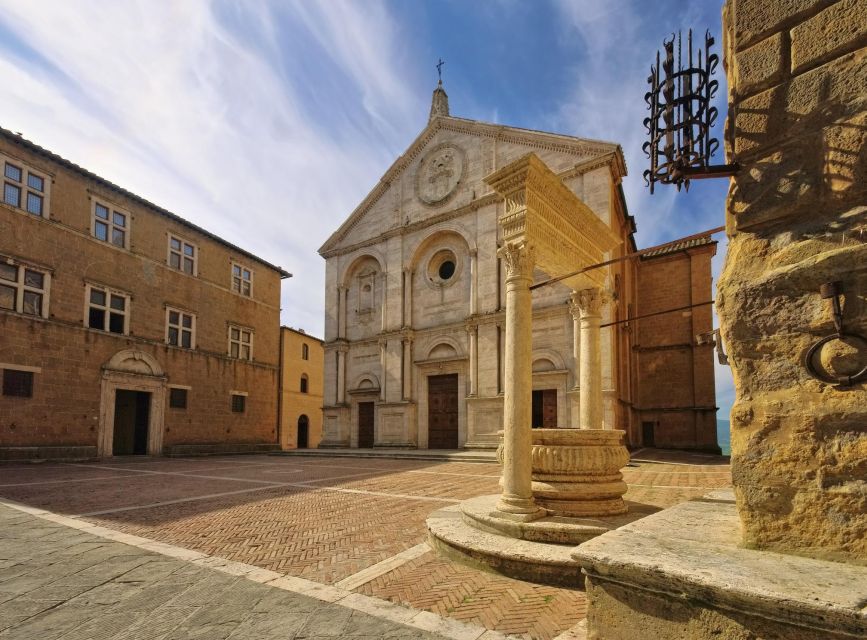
(301, 360)
(415, 300)
(125, 329)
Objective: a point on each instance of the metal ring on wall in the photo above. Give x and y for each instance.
(841, 380)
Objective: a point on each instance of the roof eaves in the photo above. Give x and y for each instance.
(42, 151)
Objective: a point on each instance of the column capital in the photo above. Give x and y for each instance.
(574, 306)
(590, 301)
(520, 258)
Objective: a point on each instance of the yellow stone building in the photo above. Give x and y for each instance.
(124, 328)
(301, 360)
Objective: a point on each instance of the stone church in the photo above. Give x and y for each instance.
(415, 303)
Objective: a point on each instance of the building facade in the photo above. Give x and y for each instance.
(415, 302)
(301, 363)
(125, 329)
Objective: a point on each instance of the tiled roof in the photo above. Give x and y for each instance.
(45, 153)
(674, 247)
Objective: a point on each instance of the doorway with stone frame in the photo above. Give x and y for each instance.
(442, 399)
(132, 377)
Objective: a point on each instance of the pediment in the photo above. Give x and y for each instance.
(444, 167)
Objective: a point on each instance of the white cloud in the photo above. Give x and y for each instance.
(173, 102)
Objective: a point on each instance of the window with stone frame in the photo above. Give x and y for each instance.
(305, 352)
(24, 188)
(107, 310)
(239, 403)
(180, 328)
(110, 225)
(17, 383)
(242, 280)
(240, 342)
(177, 397)
(183, 255)
(23, 289)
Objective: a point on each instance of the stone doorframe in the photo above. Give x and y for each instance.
(423, 369)
(133, 371)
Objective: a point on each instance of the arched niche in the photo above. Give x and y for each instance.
(364, 284)
(365, 382)
(442, 347)
(547, 360)
(442, 278)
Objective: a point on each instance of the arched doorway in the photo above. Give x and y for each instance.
(303, 431)
(132, 405)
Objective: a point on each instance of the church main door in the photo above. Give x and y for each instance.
(442, 421)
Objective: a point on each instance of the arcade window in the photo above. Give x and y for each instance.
(23, 289)
(17, 383)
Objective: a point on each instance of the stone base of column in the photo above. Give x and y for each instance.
(518, 509)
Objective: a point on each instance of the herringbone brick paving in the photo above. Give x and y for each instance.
(503, 604)
(325, 519)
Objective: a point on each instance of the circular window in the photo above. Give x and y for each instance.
(446, 270)
(443, 267)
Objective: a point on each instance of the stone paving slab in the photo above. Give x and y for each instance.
(116, 591)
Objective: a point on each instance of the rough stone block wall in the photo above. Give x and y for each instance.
(796, 219)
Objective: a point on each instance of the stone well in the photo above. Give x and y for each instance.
(576, 472)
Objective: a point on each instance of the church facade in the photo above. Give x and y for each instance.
(415, 305)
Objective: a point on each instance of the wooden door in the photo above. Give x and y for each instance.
(545, 408)
(442, 417)
(365, 425)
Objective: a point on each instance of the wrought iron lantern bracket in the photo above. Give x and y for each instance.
(682, 115)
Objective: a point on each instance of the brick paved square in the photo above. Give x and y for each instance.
(322, 519)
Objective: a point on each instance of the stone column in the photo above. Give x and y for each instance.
(474, 282)
(407, 369)
(517, 496)
(473, 333)
(341, 375)
(575, 310)
(590, 303)
(383, 279)
(341, 311)
(407, 297)
(383, 345)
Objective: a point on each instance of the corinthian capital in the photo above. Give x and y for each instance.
(590, 301)
(519, 258)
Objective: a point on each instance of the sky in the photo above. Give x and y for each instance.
(268, 122)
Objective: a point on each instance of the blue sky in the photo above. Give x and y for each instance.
(268, 122)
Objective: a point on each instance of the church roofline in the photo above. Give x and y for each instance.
(554, 141)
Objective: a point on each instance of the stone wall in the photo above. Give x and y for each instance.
(796, 218)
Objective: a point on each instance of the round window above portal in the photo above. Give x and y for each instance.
(443, 267)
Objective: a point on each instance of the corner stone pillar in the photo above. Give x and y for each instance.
(517, 496)
(590, 303)
(341, 374)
